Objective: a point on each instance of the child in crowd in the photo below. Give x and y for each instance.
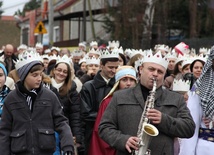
(31, 114)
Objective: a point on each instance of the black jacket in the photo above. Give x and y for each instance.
(23, 132)
(71, 109)
(92, 94)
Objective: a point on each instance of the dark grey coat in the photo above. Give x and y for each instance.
(23, 132)
(122, 116)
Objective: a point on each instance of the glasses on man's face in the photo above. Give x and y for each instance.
(61, 71)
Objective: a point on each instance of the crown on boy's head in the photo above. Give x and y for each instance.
(156, 58)
(27, 57)
(109, 54)
(181, 85)
(64, 59)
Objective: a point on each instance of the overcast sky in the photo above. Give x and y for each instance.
(11, 6)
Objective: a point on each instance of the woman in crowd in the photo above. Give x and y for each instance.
(175, 75)
(61, 79)
(124, 78)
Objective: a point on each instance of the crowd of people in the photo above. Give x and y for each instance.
(90, 101)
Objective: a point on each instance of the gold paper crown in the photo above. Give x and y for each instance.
(27, 57)
(109, 54)
(181, 85)
(64, 59)
(156, 58)
(92, 60)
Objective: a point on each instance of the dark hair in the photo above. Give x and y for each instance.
(176, 69)
(50, 66)
(193, 63)
(185, 66)
(123, 58)
(105, 60)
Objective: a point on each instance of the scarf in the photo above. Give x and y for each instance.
(4, 92)
(55, 84)
(204, 87)
(29, 95)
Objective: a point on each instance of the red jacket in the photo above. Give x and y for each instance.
(97, 145)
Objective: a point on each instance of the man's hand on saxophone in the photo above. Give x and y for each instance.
(154, 116)
(132, 144)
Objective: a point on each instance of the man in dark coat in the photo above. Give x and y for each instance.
(94, 91)
(171, 117)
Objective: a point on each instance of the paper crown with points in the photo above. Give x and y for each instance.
(27, 57)
(92, 60)
(39, 45)
(182, 48)
(82, 60)
(109, 54)
(137, 64)
(93, 43)
(77, 53)
(162, 47)
(22, 46)
(181, 85)
(171, 56)
(47, 51)
(203, 50)
(93, 51)
(55, 48)
(114, 44)
(185, 62)
(63, 59)
(156, 58)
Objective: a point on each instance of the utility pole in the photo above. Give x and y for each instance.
(50, 22)
(84, 21)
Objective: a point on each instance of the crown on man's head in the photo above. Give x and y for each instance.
(77, 53)
(27, 57)
(181, 85)
(63, 59)
(114, 44)
(156, 58)
(109, 54)
(92, 60)
(55, 48)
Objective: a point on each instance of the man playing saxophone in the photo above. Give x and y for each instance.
(170, 115)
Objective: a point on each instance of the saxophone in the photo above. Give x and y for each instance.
(146, 130)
